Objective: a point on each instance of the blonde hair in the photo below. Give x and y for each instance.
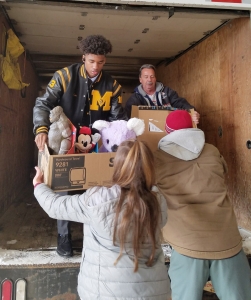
(138, 208)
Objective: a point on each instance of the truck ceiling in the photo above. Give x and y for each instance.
(140, 32)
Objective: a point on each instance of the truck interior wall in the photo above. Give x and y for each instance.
(127, 91)
(16, 137)
(215, 76)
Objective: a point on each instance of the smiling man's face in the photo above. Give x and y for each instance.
(148, 80)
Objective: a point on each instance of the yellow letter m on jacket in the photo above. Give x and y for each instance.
(98, 101)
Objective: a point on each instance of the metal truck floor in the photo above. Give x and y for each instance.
(29, 236)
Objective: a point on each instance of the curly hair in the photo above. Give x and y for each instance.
(95, 44)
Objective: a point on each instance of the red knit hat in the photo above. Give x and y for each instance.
(178, 119)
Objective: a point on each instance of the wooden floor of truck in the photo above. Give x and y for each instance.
(25, 226)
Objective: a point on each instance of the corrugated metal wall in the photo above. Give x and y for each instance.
(215, 76)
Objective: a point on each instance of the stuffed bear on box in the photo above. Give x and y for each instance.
(114, 133)
(60, 134)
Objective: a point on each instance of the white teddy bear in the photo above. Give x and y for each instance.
(60, 134)
(114, 133)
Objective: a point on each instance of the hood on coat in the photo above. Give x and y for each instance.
(139, 89)
(185, 144)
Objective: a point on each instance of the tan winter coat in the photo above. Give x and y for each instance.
(201, 222)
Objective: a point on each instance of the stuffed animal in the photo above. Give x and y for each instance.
(59, 136)
(87, 140)
(114, 133)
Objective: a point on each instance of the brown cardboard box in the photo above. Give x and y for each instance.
(154, 118)
(76, 171)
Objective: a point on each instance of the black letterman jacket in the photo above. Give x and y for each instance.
(68, 88)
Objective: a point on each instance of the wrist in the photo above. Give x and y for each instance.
(41, 129)
(37, 184)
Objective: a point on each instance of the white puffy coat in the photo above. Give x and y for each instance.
(99, 278)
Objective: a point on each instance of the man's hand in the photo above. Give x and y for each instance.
(195, 117)
(41, 139)
(39, 178)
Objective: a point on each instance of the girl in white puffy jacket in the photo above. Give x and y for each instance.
(122, 256)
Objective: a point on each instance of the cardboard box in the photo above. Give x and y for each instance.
(76, 171)
(81, 171)
(154, 118)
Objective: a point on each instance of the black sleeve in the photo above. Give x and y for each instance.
(134, 99)
(176, 101)
(47, 102)
(117, 111)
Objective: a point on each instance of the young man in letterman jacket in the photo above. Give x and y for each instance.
(86, 94)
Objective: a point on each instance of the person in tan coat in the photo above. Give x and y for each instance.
(201, 225)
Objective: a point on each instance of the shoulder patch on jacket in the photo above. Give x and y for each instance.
(52, 83)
